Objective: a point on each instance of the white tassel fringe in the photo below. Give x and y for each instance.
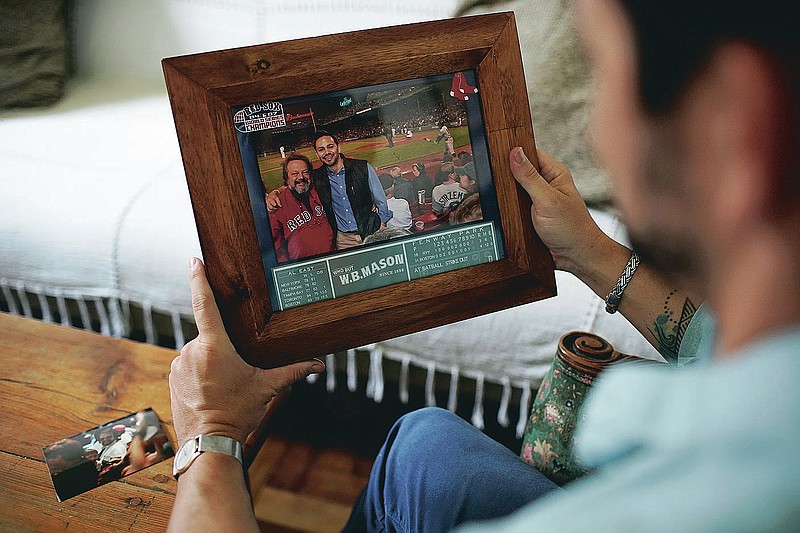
(477, 412)
(452, 398)
(330, 372)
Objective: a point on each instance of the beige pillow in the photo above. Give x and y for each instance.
(33, 52)
(558, 82)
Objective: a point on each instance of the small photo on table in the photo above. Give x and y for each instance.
(106, 453)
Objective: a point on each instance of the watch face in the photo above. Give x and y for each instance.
(184, 456)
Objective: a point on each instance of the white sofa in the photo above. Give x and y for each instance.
(95, 220)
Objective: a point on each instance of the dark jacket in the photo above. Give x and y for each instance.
(423, 182)
(405, 189)
(356, 179)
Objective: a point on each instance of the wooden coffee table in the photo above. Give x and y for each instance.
(56, 382)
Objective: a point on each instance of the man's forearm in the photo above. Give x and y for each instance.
(655, 307)
(212, 496)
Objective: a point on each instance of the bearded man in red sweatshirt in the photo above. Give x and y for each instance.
(301, 228)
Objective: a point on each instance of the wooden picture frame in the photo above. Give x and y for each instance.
(206, 89)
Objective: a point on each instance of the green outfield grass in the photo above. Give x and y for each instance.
(379, 157)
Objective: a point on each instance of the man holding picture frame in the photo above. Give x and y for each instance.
(699, 130)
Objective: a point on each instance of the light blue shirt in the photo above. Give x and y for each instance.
(708, 447)
(345, 220)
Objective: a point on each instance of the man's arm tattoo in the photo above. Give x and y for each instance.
(669, 331)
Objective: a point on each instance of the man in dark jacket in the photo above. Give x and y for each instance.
(348, 189)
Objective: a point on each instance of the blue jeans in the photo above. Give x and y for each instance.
(436, 471)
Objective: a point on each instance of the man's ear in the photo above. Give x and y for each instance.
(747, 132)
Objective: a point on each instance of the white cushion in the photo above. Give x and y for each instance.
(71, 174)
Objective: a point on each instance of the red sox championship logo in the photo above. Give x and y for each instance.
(261, 116)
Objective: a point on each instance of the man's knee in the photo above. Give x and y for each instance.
(437, 470)
(426, 417)
(424, 425)
(415, 434)
(428, 436)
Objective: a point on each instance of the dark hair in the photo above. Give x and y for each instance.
(420, 166)
(323, 133)
(69, 450)
(387, 181)
(294, 157)
(99, 431)
(443, 174)
(675, 40)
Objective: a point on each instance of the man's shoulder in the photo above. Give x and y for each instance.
(320, 178)
(285, 195)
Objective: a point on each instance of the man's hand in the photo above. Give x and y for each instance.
(273, 201)
(213, 391)
(559, 214)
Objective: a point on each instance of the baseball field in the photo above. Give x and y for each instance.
(420, 148)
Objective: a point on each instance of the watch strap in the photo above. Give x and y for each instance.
(206, 443)
(219, 444)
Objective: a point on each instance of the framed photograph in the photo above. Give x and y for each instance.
(355, 187)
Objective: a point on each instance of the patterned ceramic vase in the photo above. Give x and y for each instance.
(548, 441)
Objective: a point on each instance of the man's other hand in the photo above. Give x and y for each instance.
(559, 214)
(214, 391)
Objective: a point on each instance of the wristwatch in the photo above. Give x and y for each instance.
(192, 449)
